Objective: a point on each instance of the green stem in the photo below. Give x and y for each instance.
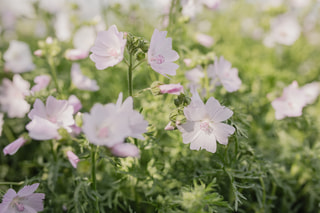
(53, 73)
(53, 150)
(135, 66)
(206, 82)
(93, 175)
(12, 183)
(130, 69)
(7, 131)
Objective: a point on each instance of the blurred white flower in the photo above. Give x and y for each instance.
(12, 94)
(18, 57)
(285, 30)
(76, 54)
(84, 38)
(80, 81)
(194, 76)
(17, 8)
(47, 119)
(311, 92)
(203, 127)
(52, 6)
(204, 39)
(75, 102)
(125, 150)
(222, 72)
(63, 26)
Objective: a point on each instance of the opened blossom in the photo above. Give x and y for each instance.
(18, 57)
(13, 147)
(23, 201)
(221, 72)
(108, 48)
(161, 55)
(81, 81)
(294, 99)
(204, 124)
(47, 119)
(12, 96)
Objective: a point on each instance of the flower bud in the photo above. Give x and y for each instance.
(141, 56)
(125, 150)
(13, 147)
(73, 158)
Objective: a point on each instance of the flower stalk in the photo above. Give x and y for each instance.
(93, 176)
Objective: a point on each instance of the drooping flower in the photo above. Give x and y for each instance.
(47, 119)
(108, 48)
(175, 89)
(12, 96)
(18, 57)
(204, 124)
(1, 123)
(291, 103)
(125, 150)
(73, 159)
(161, 55)
(41, 81)
(23, 201)
(105, 126)
(222, 72)
(136, 122)
(13, 147)
(81, 81)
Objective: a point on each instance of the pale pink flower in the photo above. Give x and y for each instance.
(211, 4)
(285, 30)
(175, 89)
(204, 39)
(13, 147)
(291, 103)
(311, 92)
(75, 102)
(203, 127)
(108, 48)
(18, 57)
(222, 72)
(38, 53)
(76, 54)
(1, 122)
(42, 81)
(194, 76)
(160, 54)
(12, 96)
(73, 159)
(81, 81)
(125, 150)
(136, 122)
(23, 201)
(47, 119)
(105, 126)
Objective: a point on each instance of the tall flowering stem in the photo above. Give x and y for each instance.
(93, 175)
(53, 73)
(130, 82)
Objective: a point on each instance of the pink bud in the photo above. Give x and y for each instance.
(169, 127)
(125, 150)
(76, 54)
(187, 61)
(38, 53)
(175, 89)
(13, 147)
(73, 158)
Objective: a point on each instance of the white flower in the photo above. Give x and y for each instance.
(80, 81)
(194, 76)
(105, 126)
(18, 57)
(47, 119)
(223, 72)
(135, 120)
(84, 38)
(285, 30)
(12, 96)
(203, 127)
